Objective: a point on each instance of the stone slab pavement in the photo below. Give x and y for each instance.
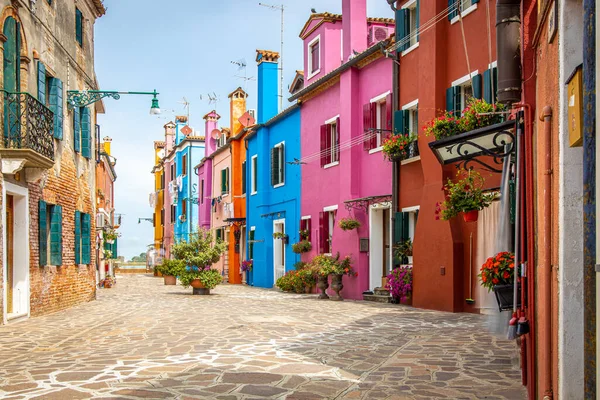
(142, 339)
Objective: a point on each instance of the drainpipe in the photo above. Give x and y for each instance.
(396, 101)
(508, 32)
(545, 269)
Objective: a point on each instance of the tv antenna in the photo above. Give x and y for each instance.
(186, 106)
(241, 63)
(279, 8)
(213, 99)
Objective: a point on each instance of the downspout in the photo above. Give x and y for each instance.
(508, 33)
(545, 269)
(395, 102)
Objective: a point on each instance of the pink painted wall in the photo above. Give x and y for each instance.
(359, 173)
(220, 161)
(330, 49)
(168, 226)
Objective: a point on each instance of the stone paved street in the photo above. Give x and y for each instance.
(141, 339)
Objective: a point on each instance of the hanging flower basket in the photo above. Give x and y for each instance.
(348, 224)
(498, 274)
(398, 147)
(505, 296)
(464, 196)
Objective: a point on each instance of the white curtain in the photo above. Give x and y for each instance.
(487, 235)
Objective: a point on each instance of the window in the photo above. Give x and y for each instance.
(222, 141)
(172, 172)
(202, 192)
(405, 223)
(461, 91)
(50, 93)
(184, 165)
(408, 25)
(254, 174)
(173, 212)
(314, 56)
(305, 229)
(326, 228)
(83, 238)
(50, 234)
(225, 180)
(277, 165)
(184, 208)
(82, 131)
(220, 234)
(490, 84)
(465, 6)
(251, 243)
(243, 177)
(330, 143)
(377, 121)
(79, 26)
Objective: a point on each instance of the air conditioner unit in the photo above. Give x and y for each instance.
(100, 221)
(377, 34)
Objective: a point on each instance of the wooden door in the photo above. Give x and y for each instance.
(10, 273)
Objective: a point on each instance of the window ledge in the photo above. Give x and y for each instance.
(376, 150)
(253, 193)
(411, 48)
(313, 74)
(410, 160)
(279, 185)
(333, 164)
(464, 14)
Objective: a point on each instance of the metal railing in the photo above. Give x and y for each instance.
(27, 124)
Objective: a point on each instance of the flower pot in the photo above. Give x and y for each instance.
(170, 280)
(198, 288)
(107, 284)
(410, 259)
(323, 284)
(407, 301)
(337, 286)
(471, 216)
(505, 296)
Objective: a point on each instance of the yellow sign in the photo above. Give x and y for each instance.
(575, 110)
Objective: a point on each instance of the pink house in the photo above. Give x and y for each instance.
(204, 170)
(346, 113)
(169, 168)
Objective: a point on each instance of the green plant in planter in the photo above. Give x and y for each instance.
(465, 195)
(304, 234)
(110, 235)
(171, 267)
(198, 254)
(441, 127)
(396, 147)
(303, 246)
(403, 249)
(349, 223)
(300, 265)
(478, 114)
(279, 235)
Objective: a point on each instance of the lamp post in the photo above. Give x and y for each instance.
(83, 98)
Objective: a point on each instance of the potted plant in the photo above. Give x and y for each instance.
(304, 234)
(442, 127)
(109, 281)
(247, 265)
(479, 114)
(399, 283)
(465, 196)
(282, 236)
(170, 270)
(107, 254)
(398, 147)
(339, 268)
(110, 235)
(198, 255)
(321, 265)
(404, 250)
(349, 223)
(303, 246)
(498, 274)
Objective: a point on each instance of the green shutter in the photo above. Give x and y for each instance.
(405, 222)
(274, 166)
(417, 120)
(417, 16)
(43, 233)
(227, 179)
(115, 251)
(86, 239)
(398, 223)
(76, 129)
(56, 235)
(79, 27)
(86, 133)
(453, 5)
(244, 177)
(450, 99)
(477, 86)
(398, 121)
(400, 27)
(251, 245)
(490, 85)
(406, 122)
(56, 105)
(77, 238)
(41, 78)
(223, 187)
(218, 235)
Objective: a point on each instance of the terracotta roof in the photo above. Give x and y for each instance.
(159, 144)
(298, 72)
(100, 9)
(266, 55)
(211, 112)
(330, 17)
(239, 89)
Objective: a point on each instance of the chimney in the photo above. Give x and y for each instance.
(169, 136)
(237, 108)
(354, 26)
(106, 144)
(211, 121)
(268, 70)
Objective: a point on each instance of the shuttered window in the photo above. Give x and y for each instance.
(77, 129)
(490, 85)
(55, 101)
(305, 228)
(243, 179)
(458, 96)
(225, 180)
(41, 78)
(254, 174)
(377, 122)
(326, 227)
(83, 238)
(43, 233)
(407, 25)
(330, 143)
(251, 244)
(277, 165)
(77, 238)
(184, 165)
(50, 234)
(86, 133)
(79, 26)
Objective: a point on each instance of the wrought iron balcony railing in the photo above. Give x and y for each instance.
(27, 124)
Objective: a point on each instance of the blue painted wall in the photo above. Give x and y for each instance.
(194, 149)
(268, 95)
(284, 200)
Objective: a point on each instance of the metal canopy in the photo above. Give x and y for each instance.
(235, 221)
(363, 203)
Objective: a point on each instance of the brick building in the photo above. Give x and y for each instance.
(47, 151)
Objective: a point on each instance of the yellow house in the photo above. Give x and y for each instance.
(157, 200)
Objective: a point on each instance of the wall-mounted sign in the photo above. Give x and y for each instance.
(575, 108)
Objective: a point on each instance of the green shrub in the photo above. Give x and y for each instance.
(303, 246)
(171, 267)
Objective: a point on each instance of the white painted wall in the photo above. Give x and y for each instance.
(570, 216)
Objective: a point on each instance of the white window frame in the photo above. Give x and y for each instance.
(333, 163)
(309, 55)
(330, 210)
(411, 220)
(281, 146)
(463, 82)
(463, 12)
(254, 175)
(411, 6)
(305, 217)
(381, 99)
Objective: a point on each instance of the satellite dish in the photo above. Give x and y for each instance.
(215, 134)
(246, 120)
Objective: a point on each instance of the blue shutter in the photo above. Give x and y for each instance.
(79, 26)
(77, 238)
(86, 240)
(477, 86)
(43, 233)
(453, 5)
(56, 105)
(398, 122)
(76, 129)
(450, 99)
(400, 27)
(86, 133)
(56, 235)
(474, 1)
(41, 77)
(115, 250)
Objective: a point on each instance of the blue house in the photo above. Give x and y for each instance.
(273, 180)
(189, 150)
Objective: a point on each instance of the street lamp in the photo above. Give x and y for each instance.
(83, 98)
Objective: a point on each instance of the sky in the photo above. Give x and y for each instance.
(183, 48)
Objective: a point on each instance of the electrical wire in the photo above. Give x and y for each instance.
(342, 146)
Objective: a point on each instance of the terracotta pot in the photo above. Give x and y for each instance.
(170, 280)
(471, 216)
(196, 284)
(198, 288)
(323, 284)
(337, 286)
(107, 285)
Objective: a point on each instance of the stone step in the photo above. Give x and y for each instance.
(381, 292)
(377, 298)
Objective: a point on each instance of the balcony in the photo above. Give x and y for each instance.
(27, 140)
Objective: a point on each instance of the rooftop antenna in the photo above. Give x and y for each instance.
(213, 99)
(186, 106)
(241, 63)
(279, 8)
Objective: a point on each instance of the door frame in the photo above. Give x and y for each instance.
(376, 260)
(20, 212)
(278, 242)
